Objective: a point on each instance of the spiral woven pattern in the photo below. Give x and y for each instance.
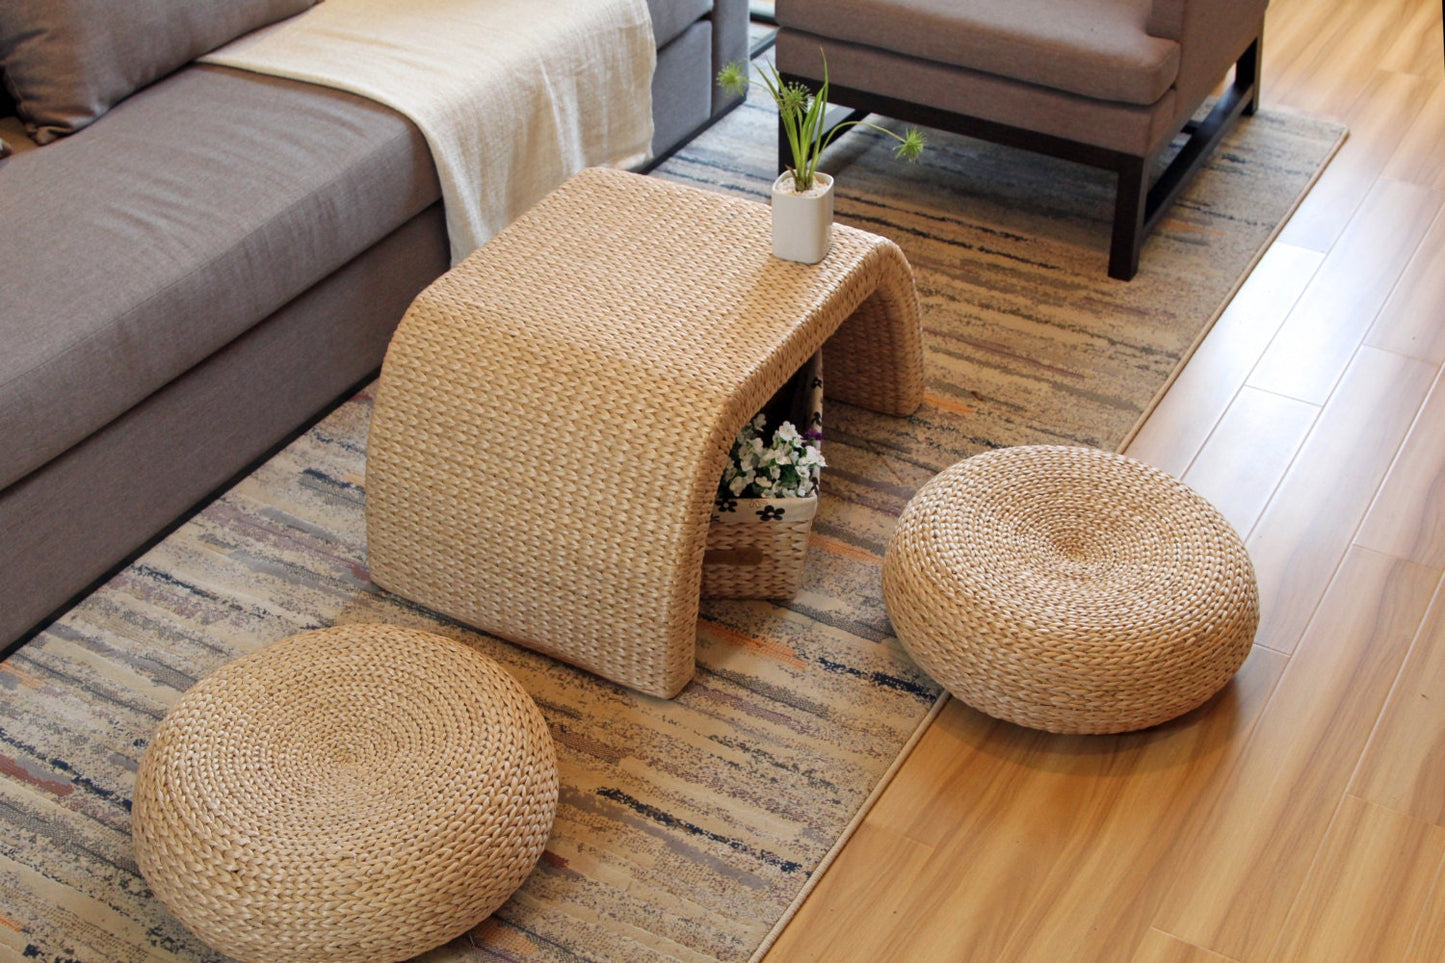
(356, 793)
(1070, 589)
(555, 412)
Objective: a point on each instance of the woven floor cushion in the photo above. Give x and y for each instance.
(363, 792)
(1070, 589)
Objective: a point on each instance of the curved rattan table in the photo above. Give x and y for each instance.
(356, 793)
(1070, 589)
(555, 412)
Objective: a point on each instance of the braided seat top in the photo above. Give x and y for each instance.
(1070, 589)
(362, 792)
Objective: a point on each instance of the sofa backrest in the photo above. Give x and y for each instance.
(66, 62)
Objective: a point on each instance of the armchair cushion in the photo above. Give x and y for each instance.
(1093, 48)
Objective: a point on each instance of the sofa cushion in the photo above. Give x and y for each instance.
(197, 208)
(66, 62)
(1094, 48)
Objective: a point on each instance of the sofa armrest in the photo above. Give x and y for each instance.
(729, 45)
(1187, 21)
(1166, 19)
(1212, 35)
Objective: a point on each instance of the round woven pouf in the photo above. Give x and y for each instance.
(364, 792)
(1070, 589)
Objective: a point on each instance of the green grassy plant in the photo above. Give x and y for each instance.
(802, 113)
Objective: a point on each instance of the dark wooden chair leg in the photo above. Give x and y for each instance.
(1129, 207)
(1240, 98)
(1246, 75)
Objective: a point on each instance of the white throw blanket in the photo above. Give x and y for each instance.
(514, 96)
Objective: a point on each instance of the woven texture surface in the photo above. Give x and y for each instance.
(356, 793)
(756, 547)
(685, 828)
(753, 556)
(1070, 589)
(554, 413)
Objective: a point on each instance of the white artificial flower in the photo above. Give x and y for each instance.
(786, 467)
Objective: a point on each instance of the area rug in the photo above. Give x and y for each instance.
(687, 829)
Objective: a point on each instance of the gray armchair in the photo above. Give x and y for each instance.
(1109, 83)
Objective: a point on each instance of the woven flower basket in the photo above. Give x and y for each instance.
(756, 547)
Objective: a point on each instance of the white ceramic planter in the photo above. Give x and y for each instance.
(802, 223)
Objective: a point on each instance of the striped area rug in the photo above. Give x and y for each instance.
(686, 828)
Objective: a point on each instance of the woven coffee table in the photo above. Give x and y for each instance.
(554, 414)
(1070, 589)
(356, 793)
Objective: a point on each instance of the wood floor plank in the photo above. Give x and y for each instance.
(1416, 47)
(830, 923)
(1312, 518)
(1403, 768)
(1367, 888)
(1105, 815)
(1408, 515)
(1178, 427)
(1412, 322)
(951, 791)
(1428, 944)
(1248, 453)
(1159, 947)
(1237, 880)
(1378, 120)
(1154, 795)
(1320, 64)
(1329, 321)
(1416, 159)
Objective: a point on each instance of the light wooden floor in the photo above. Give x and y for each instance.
(1301, 817)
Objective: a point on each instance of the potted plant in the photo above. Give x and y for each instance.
(803, 195)
(767, 496)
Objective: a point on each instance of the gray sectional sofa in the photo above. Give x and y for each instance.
(200, 269)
